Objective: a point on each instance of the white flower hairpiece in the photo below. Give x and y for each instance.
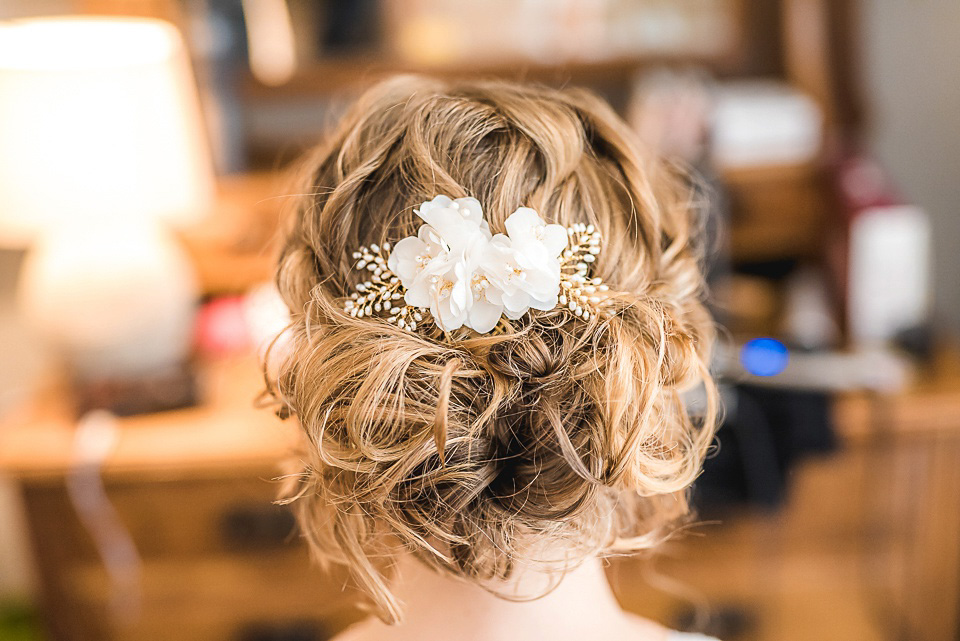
(464, 275)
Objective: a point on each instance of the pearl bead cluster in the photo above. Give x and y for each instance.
(382, 292)
(580, 293)
(480, 283)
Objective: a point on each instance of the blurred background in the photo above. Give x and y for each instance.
(143, 150)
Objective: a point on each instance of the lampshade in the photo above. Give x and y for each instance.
(99, 121)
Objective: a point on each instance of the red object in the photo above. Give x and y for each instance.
(862, 183)
(222, 326)
(859, 184)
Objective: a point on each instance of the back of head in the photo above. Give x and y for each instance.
(482, 452)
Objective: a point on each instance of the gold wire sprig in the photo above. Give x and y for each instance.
(382, 293)
(578, 291)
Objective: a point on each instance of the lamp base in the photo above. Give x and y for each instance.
(116, 300)
(167, 389)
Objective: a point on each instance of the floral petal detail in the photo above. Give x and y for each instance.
(439, 202)
(447, 222)
(541, 280)
(530, 254)
(522, 223)
(555, 239)
(431, 238)
(447, 316)
(419, 294)
(515, 315)
(460, 293)
(518, 301)
(546, 304)
(403, 260)
(484, 316)
(471, 210)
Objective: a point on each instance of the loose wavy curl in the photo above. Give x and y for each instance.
(477, 452)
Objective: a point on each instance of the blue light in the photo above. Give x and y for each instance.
(764, 356)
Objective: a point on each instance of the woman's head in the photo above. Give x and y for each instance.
(477, 452)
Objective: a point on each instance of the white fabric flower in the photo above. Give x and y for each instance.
(467, 276)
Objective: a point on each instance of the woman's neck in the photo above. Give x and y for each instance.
(580, 607)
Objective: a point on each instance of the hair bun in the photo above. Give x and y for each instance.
(528, 359)
(558, 431)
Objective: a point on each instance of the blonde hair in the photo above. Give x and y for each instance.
(469, 450)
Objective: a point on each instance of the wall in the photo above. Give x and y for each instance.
(911, 54)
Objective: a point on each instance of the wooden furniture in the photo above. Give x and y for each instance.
(234, 249)
(777, 212)
(867, 546)
(911, 442)
(194, 488)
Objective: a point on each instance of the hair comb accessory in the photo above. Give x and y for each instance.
(466, 276)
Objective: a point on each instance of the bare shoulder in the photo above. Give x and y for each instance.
(354, 633)
(637, 629)
(642, 629)
(370, 629)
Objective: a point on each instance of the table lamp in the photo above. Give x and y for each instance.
(102, 149)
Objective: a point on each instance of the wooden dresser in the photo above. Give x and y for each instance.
(215, 558)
